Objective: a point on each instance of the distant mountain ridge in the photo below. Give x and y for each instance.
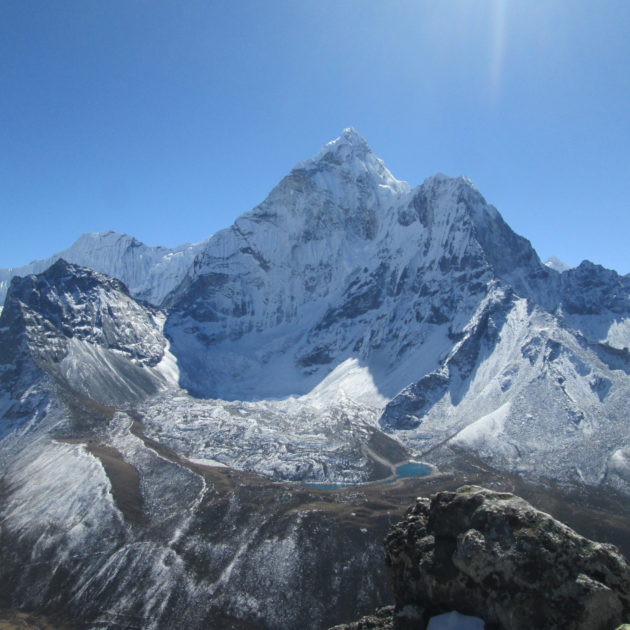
(149, 272)
(555, 263)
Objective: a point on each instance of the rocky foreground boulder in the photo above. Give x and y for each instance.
(492, 555)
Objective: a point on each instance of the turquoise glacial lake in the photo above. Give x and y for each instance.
(413, 469)
(410, 469)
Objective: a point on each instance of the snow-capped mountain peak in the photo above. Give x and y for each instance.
(333, 243)
(344, 325)
(558, 265)
(349, 159)
(349, 137)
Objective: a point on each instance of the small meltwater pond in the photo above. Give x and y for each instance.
(413, 469)
(410, 469)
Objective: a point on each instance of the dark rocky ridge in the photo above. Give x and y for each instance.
(83, 328)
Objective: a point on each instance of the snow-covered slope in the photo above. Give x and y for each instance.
(149, 272)
(110, 529)
(524, 394)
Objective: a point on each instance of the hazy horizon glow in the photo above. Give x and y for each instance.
(167, 121)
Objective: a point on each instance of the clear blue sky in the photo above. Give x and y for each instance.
(168, 119)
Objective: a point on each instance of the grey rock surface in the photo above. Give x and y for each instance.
(492, 555)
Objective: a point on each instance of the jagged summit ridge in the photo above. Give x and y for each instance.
(350, 155)
(349, 143)
(349, 137)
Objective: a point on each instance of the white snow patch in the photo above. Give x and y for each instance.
(487, 427)
(619, 334)
(168, 367)
(62, 481)
(619, 462)
(349, 379)
(207, 462)
(557, 265)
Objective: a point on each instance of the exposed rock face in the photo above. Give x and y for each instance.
(494, 556)
(382, 619)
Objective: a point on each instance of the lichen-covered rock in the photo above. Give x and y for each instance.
(492, 555)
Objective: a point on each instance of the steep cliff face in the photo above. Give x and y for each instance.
(341, 261)
(596, 302)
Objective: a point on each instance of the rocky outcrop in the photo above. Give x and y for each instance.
(492, 555)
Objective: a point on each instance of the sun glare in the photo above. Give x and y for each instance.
(499, 28)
